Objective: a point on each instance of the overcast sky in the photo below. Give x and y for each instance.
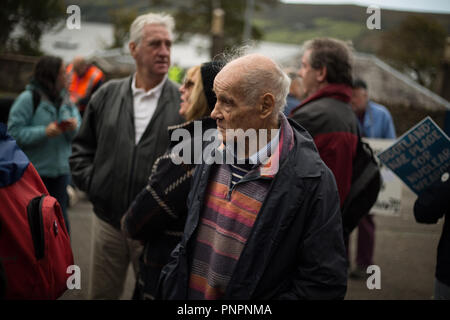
(439, 6)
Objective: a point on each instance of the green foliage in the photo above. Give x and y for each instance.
(273, 20)
(34, 17)
(416, 45)
(100, 10)
(176, 74)
(122, 20)
(194, 16)
(295, 23)
(320, 27)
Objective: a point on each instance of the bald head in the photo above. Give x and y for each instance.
(254, 75)
(253, 61)
(250, 91)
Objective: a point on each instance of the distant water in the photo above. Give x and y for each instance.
(67, 44)
(94, 38)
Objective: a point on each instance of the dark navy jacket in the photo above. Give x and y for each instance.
(431, 205)
(295, 249)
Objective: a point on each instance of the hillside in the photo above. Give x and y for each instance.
(290, 23)
(295, 23)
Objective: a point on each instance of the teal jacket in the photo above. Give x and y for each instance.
(50, 156)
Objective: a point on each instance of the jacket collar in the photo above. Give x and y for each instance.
(270, 168)
(296, 142)
(155, 90)
(126, 94)
(338, 91)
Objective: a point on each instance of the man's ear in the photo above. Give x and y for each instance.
(132, 47)
(267, 105)
(321, 74)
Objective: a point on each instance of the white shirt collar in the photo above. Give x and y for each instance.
(156, 90)
(262, 155)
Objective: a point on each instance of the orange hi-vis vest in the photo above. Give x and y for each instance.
(80, 88)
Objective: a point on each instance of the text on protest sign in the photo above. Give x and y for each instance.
(420, 156)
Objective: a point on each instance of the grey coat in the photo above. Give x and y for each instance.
(106, 163)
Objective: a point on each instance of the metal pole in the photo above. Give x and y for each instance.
(217, 25)
(248, 20)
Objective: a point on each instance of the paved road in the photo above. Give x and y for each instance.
(81, 236)
(405, 252)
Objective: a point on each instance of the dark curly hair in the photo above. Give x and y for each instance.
(334, 55)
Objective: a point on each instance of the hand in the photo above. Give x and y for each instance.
(52, 130)
(72, 124)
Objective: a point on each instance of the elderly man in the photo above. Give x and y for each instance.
(123, 132)
(268, 228)
(326, 74)
(83, 80)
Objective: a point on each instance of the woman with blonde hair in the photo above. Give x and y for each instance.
(158, 214)
(193, 100)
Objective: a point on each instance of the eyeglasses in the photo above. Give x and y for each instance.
(188, 83)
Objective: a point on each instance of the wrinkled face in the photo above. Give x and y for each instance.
(309, 75)
(152, 54)
(189, 83)
(231, 111)
(359, 100)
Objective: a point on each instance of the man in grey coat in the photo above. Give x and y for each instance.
(124, 130)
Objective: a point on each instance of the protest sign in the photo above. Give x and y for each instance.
(420, 156)
(389, 199)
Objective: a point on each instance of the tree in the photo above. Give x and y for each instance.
(194, 17)
(416, 46)
(122, 20)
(34, 17)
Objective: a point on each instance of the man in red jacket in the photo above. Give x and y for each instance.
(326, 74)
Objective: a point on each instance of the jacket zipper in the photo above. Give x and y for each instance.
(231, 188)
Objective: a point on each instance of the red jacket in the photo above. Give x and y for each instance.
(331, 122)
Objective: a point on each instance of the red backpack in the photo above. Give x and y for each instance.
(35, 247)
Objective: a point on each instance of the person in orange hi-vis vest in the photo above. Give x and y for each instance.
(83, 79)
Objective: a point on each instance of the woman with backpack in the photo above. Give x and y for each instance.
(44, 122)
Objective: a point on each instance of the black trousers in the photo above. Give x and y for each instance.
(57, 188)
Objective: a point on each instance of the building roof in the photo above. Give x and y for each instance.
(388, 84)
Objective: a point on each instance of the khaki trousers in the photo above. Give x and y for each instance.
(112, 253)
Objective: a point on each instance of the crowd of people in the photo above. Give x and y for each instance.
(266, 226)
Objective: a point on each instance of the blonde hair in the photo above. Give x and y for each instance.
(199, 106)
